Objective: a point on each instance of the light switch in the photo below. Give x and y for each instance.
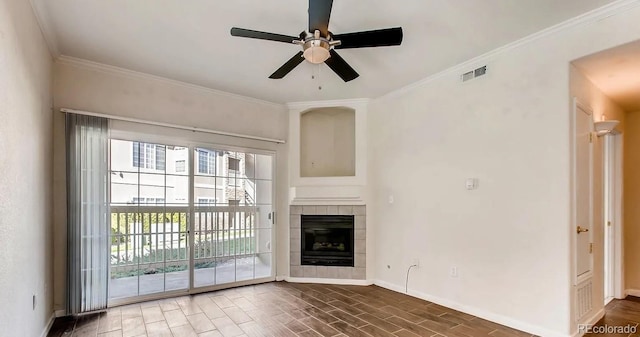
(471, 183)
(391, 199)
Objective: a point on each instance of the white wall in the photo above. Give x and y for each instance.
(25, 179)
(509, 239)
(97, 88)
(589, 94)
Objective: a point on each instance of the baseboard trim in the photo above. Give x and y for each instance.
(632, 292)
(280, 278)
(328, 281)
(52, 318)
(60, 313)
(593, 320)
(490, 316)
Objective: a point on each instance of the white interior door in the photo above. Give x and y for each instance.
(583, 210)
(584, 190)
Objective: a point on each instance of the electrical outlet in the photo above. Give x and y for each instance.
(416, 262)
(454, 272)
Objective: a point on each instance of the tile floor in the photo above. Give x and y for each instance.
(284, 309)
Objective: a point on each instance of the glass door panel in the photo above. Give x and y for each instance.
(227, 182)
(264, 212)
(207, 197)
(149, 207)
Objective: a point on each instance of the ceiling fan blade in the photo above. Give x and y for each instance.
(288, 66)
(319, 13)
(371, 38)
(341, 67)
(254, 34)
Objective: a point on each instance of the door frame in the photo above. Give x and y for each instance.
(191, 145)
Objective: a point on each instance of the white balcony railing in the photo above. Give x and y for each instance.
(149, 239)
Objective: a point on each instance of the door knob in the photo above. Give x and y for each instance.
(580, 229)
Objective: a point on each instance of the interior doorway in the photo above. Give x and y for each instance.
(607, 82)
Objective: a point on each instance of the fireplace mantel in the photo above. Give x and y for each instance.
(327, 195)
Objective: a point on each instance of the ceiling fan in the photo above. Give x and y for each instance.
(318, 43)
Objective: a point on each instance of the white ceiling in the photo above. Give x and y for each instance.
(189, 40)
(616, 72)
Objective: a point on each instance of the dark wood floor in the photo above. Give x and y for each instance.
(620, 313)
(285, 309)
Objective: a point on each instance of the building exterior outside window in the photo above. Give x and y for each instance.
(155, 174)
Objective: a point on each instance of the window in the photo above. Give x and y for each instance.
(234, 164)
(148, 201)
(233, 181)
(234, 168)
(180, 166)
(206, 162)
(148, 156)
(207, 201)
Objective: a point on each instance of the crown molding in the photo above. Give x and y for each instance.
(46, 27)
(108, 69)
(595, 15)
(355, 102)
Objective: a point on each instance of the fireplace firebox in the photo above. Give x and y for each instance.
(327, 240)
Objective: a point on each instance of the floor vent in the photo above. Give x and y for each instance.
(474, 73)
(583, 299)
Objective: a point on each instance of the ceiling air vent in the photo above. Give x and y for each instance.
(474, 73)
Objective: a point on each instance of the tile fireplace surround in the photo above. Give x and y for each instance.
(358, 272)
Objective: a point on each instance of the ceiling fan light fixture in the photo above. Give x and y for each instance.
(316, 51)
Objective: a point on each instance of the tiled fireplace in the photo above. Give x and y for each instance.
(327, 177)
(314, 267)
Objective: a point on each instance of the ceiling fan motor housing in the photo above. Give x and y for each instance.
(316, 48)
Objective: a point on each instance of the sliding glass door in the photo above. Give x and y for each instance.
(233, 216)
(185, 217)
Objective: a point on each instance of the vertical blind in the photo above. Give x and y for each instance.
(87, 213)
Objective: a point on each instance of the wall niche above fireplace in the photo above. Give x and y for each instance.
(328, 142)
(328, 152)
